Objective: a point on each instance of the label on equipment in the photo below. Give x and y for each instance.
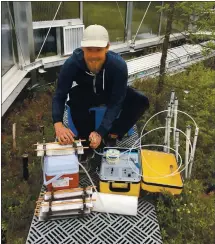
(61, 182)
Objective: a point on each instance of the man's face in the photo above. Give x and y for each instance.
(95, 57)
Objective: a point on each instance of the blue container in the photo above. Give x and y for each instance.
(70, 121)
(99, 114)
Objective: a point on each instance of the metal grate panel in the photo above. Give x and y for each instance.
(96, 228)
(72, 36)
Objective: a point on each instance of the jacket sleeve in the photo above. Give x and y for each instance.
(65, 80)
(118, 94)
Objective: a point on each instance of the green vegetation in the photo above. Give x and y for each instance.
(19, 196)
(184, 219)
(188, 218)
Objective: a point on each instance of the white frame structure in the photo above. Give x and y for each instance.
(72, 36)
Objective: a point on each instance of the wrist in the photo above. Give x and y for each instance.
(58, 125)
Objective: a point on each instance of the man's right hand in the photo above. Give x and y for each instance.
(64, 135)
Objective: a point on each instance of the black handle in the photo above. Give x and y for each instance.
(118, 189)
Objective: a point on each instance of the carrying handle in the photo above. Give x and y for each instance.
(51, 180)
(118, 189)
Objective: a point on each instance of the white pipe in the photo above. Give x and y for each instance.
(188, 132)
(194, 149)
(168, 127)
(176, 144)
(166, 139)
(172, 96)
(168, 132)
(175, 118)
(172, 102)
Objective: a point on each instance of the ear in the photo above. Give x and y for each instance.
(107, 47)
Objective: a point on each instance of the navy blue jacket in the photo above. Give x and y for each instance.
(112, 80)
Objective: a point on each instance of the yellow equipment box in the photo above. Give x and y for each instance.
(122, 177)
(155, 165)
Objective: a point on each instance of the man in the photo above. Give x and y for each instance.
(101, 76)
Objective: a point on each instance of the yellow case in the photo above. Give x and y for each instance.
(164, 164)
(120, 188)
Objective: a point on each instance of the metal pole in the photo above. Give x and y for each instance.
(30, 31)
(172, 97)
(165, 136)
(81, 11)
(160, 21)
(31, 40)
(21, 28)
(194, 149)
(128, 21)
(168, 132)
(168, 126)
(58, 36)
(167, 129)
(176, 144)
(188, 132)
(175, 118)
(172, 102)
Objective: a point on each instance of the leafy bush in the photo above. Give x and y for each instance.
(188, 218)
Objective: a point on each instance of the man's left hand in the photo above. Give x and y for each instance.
(95, 140)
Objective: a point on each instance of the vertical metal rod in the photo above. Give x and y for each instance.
(176, 144)
(168, 132)
(31, 45)
(160, 21)
(168, 126)
(194, 149)
(172, 102)
(128, 20)
(167, 129)
(188, 133)
(165, 136)
(30, 31)
(58, 36)
(25, 166)
(81, 11)
(175, 118)
(172, 97)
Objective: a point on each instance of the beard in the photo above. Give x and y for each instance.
(94, 66)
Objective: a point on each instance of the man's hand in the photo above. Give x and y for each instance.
(95, 139)
(64, 135)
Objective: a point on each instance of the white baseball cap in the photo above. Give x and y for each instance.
(95, 36)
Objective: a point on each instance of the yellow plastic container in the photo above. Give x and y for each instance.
(121, 188)
(155, 165)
